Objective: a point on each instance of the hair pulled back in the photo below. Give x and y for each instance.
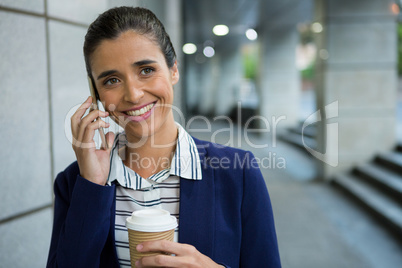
(115, 21)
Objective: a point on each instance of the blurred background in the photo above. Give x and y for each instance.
(312, 87)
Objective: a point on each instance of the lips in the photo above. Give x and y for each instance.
(141, 111)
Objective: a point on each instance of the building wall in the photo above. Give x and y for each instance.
(359, 75)
(43, 77)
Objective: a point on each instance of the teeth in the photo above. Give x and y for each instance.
(141, 111)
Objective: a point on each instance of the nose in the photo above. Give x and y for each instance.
(133, 91)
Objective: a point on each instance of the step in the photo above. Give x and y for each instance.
(391, 160)
(296, 140)
(384, 179)
(373, 199)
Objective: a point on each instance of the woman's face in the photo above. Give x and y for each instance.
(134, 83)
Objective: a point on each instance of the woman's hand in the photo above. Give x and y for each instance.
(94, 164)
(186, 255)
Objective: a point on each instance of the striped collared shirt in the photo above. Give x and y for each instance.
(161, 190)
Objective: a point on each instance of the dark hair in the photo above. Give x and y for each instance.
(115, 21)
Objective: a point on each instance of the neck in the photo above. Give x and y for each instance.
(155, 153)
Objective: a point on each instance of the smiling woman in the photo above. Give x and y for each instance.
(224, 210)
(132, 74)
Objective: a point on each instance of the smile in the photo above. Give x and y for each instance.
(141, 111)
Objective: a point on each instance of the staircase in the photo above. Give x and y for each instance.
(376, 185)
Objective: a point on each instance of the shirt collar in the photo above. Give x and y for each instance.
(185, 163)
(186, 160)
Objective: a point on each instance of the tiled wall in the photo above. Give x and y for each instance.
(42, 77)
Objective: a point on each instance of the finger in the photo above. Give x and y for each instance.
(76, 117)
(89, 119)
(90, 130)
(159, 261)
(93, 115)
(110, 139)
(167, 246)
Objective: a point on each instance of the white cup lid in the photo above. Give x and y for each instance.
(151, 220)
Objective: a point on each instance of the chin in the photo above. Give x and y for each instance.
(140, 130)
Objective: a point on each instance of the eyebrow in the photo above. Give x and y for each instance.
(106, 73)
(137, 64)
(143, 62)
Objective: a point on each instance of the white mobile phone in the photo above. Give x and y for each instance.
(95, 106)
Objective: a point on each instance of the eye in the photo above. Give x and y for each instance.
(147, 71)
(111, 81)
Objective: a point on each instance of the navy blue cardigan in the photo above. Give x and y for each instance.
(226, 216)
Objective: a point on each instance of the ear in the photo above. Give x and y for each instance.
(175, 73)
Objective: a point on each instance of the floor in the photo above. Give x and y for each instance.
(317, 225)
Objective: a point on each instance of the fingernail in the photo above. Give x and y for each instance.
(139, 247)
(137, 264)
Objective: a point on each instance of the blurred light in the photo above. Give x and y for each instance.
(395, 9)
(220, 30)
(251, 34)
(189, 48)
(305, 55)
(209, 52)
(316, 27)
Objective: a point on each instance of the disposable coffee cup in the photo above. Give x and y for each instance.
(148, 225)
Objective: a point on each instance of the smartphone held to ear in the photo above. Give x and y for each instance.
(95, 106)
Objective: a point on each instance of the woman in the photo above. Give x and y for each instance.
(217, 193)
